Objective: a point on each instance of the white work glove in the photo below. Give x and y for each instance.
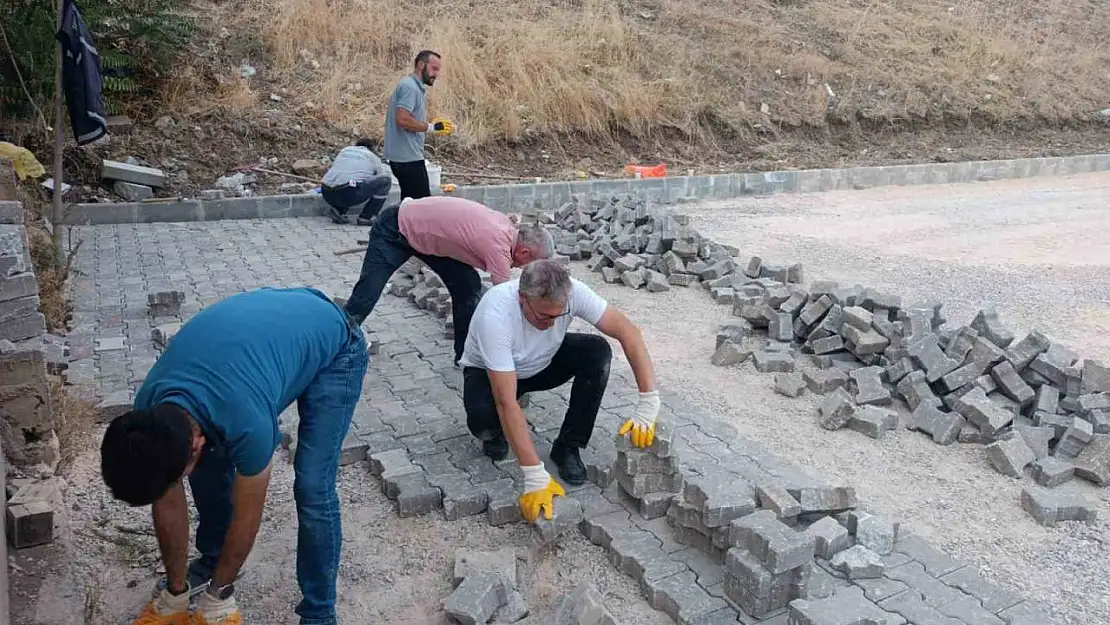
(642, 423)
(213, 611)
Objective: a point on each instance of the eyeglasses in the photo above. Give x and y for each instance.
(543, 317)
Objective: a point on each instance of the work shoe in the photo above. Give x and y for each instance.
(336, 216)
(362, 221)
(496, 448)
(569, 462)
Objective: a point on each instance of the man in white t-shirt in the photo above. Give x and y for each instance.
(518, 343)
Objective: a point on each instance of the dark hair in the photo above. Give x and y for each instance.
(144, 452)
(423, 56)
(366, 143)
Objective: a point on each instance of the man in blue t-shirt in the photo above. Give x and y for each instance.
(208, 410)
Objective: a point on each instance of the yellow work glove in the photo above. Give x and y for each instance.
(441, 126)
(540, 490)
(215, 611)
(642, 424)
(166, 609)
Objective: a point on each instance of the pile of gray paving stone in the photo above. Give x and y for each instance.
(1034, 405)
(709, 533)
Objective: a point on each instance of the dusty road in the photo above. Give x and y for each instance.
(1039, 250)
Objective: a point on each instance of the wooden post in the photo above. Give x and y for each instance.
(59, 144)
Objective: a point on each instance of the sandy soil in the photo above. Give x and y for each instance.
(393, 570)
(964, 244)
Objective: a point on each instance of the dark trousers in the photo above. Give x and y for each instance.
(367, 195)
(584, 357)
(387, 250)
(412, 177)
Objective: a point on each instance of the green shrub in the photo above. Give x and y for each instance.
(138, 41)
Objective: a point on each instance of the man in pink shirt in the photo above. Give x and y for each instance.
(453, 236)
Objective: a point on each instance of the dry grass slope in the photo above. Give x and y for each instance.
(704, 67)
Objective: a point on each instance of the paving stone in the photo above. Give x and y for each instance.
(863, 343)
(602, 529)
(1026, 613)
(934, 592)
(773, 362)
(869, 386)
(1075, 439)
(753, 587)
(935, 561)
(858, 562)
(836, 410)
(1010, 456)
(824, 499)
(29, 524)
(944, 427)
(1050, 507)
(877, 589)
(873, 421)
(789, 384)
(825, 381)
(1051, 471)
(640, 485)
(582, 606)
(899, 369)
(476, 599)
(354, 450)
(1093, 463)
(875, 532)
(928, 356)
(777, 499)
(828, 345)
(515, 609)
(1023, 352)
(988, 325)
(461, 498)
(830, 537)
(501, 562)
(983, 413)
(640, 557)
(993, 597)
(566, 515)
(914, 606)
(708, 572)
(1011, 385)
(772, 543)
(635, 462)
(915, 390)
(734, 331)
(719, 500)
(681, 598)
(1095, 377)
(1036, 438)
(847, 607)
(503, 506)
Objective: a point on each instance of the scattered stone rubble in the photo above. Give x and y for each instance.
(1035, 406)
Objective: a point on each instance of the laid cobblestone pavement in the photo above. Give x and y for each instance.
(410, 426)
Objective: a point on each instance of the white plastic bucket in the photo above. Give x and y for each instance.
(434, 174)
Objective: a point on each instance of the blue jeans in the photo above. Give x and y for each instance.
(325, 408)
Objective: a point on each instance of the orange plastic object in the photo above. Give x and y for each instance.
(647, 171)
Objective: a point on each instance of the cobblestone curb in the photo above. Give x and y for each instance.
(552, 195)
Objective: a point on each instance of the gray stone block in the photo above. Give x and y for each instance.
(729, 353)
(934, 592)
(778, 500)
(789, 384)
(115, 170)
(988, 325)
(830, 537)
(476, 599)
(873, 421)
(1025, 613)
(1011, 384)
(1054, 363)
(755, 588)
(915, 390)
(582, 606)
(944, 427)
(824, 499)
(858, 562)
(1051, 472)
(566, 515)
(927, 355)
(874, 532)
(1023, 352)
(775, 545)
(1037, 438)
(983, 413)
(1095, 377)
(825, 381)
(836, 410)
(1075, 439)
(1051, 507)
(1093, 463)
(848, 606)
(869, 386)
(773, 362)
(935, 562)
(1046, 399)
(914, 606)
(501, 562)
(718, 500)
(1010, 456)
(681, 598)
(992, 597)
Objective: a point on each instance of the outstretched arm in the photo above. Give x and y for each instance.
(615, 324)
(248, 499)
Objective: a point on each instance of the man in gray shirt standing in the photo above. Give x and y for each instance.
(405, 126)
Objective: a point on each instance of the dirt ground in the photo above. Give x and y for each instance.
(393, 570)
(1036, 248)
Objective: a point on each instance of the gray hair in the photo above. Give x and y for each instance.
(538, 240)
(545, 279)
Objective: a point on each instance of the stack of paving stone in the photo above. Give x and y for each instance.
(416, 282)
(646, 247)
(649, 477)
(767, 565)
